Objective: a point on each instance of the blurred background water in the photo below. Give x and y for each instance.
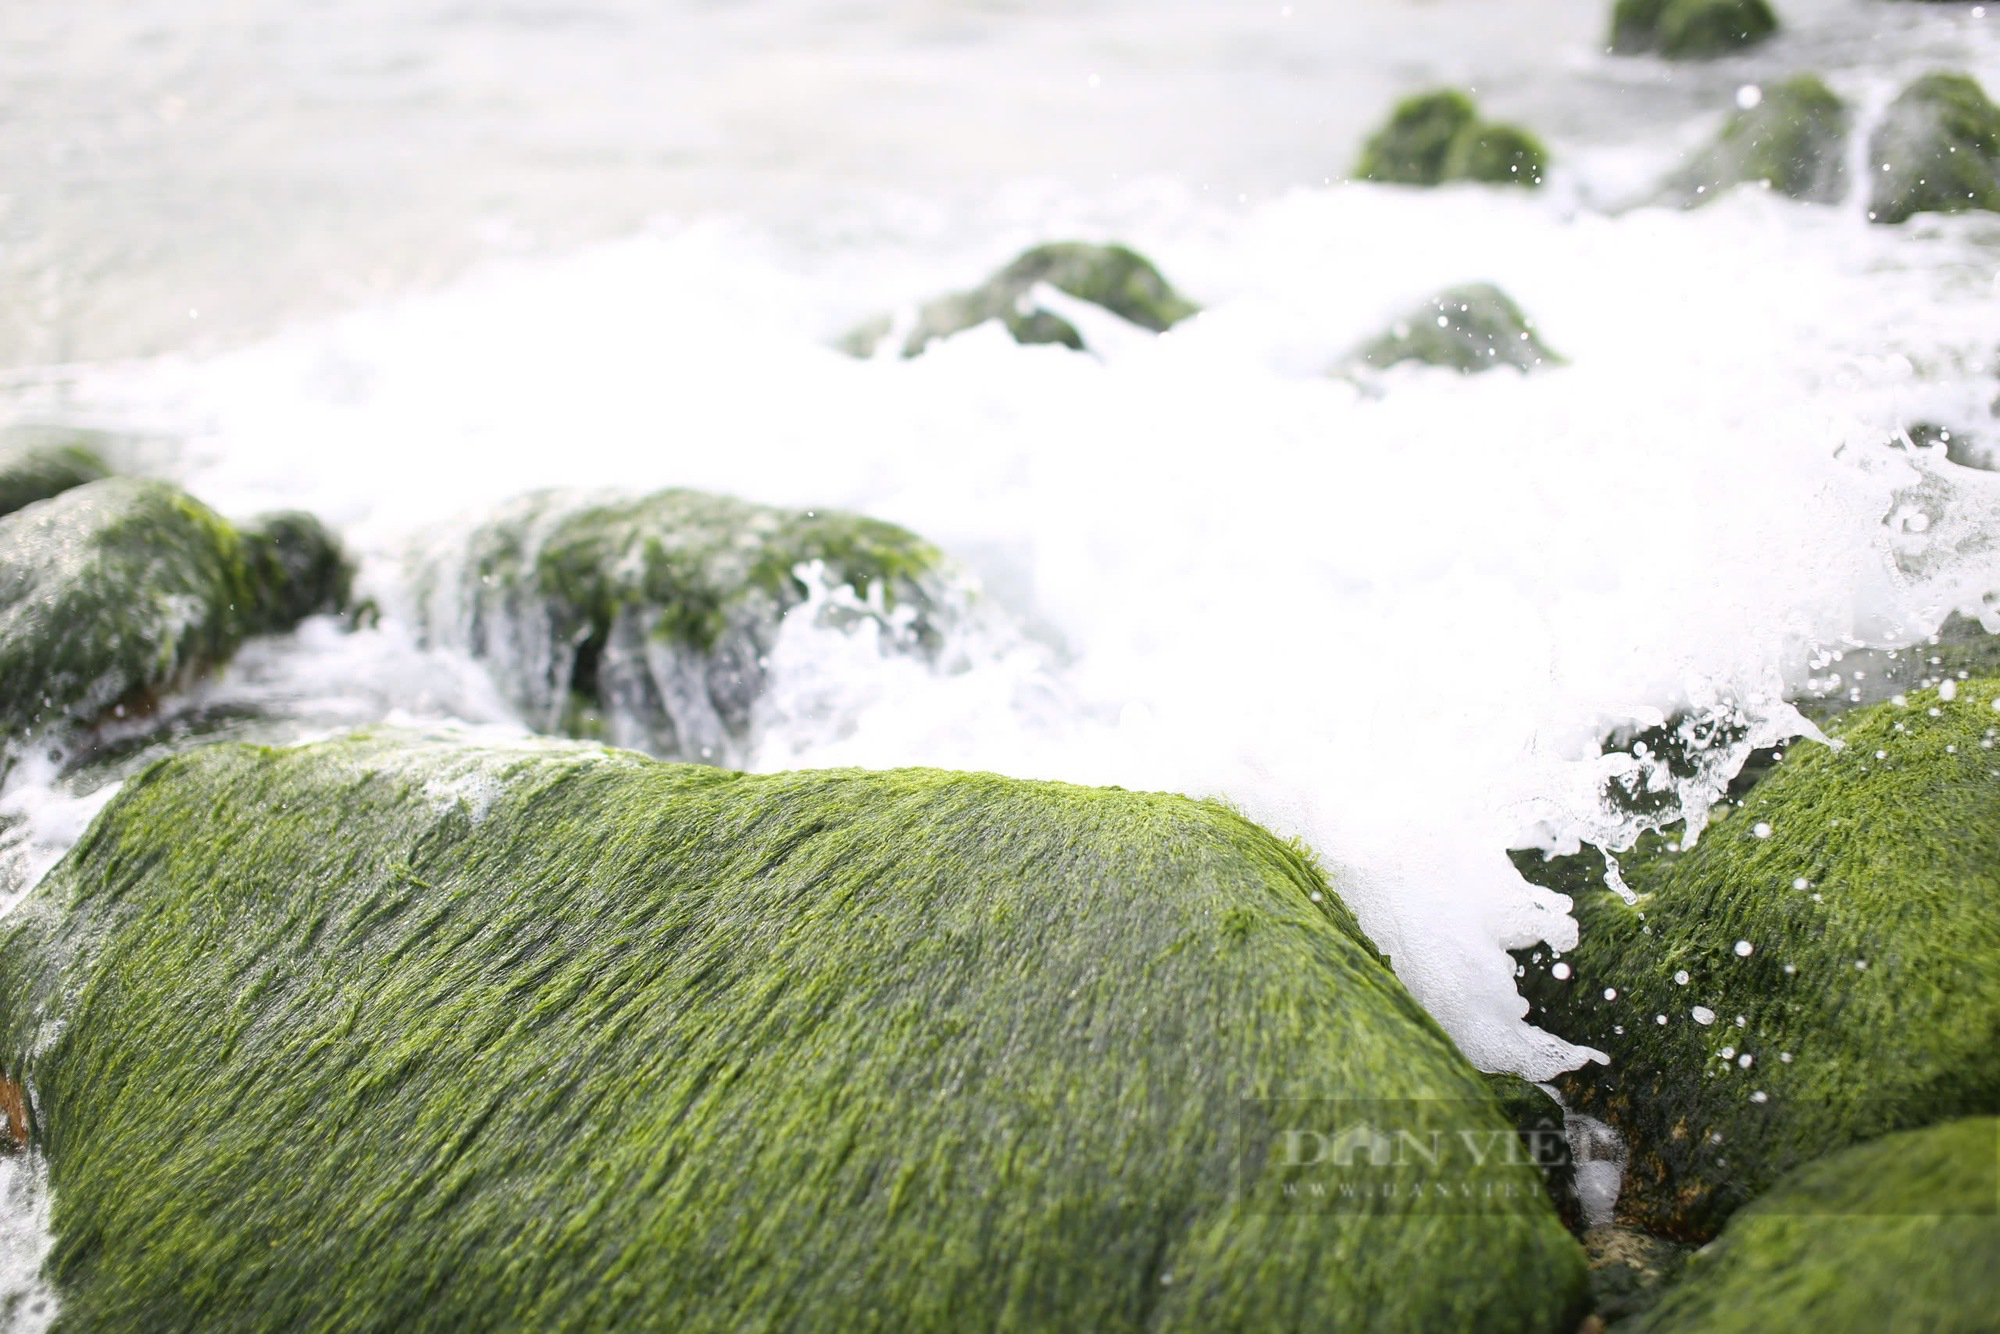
(187, 173)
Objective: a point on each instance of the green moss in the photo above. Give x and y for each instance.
(1437, 137)
(653, 615)
(293, 555)
(1794, 140)
(1468, 329)
(1412, 148)
(120, 587)
(1937, 150)
(1629, 1270)
(1635, 25)
(1115, 277)
(1689, 29)
(1497, 155)
(1899, 1234)
(36, 471)
(387, 1033)
(1869, 1000)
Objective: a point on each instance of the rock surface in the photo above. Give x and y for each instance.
(1467, 329)
(1689, 29)
(1114, 277)
(1437, 137)
(1821, 968)
(1897, 1234)
(646, 620)
(1936, 150)
(1794, 140)
(35, 471)
(121, 587)
(397, 1032)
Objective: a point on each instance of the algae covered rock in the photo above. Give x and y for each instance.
(1821, 968)
(121, 586)
(1898, 1234)
(1629, 1270)
(1794, 140)
(1937, 150)
(400, 1033)
(1689, 29)
(647, 620)
(1437, 137)
(1467, 329)
(1114, 277)
(32, 470)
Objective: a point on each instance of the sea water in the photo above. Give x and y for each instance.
(433, 257)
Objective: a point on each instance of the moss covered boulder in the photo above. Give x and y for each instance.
(1823, 967)
(1936, 150)
(121, 587)
(1467, 329)
(1117, 278)
(1898, 1234)
(1689, 29)
(32, 470)
(1794, 141)
(647, 620)
(394, 1033)
(1437, 137)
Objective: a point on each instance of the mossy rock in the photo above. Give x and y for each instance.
(1538, 1118)
(1898, 1234)
(33, 469)
(647, 620)
(1689, 29)
(1467, 329)
(1937, 150)
(1794, 140)
(1629, 1270)
(1864, 886)
(1497, 155)
(1437, 137)
(1119, 279)
(400, 1033)
(118, 588)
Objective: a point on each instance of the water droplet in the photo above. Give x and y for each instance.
(1703, 1015)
